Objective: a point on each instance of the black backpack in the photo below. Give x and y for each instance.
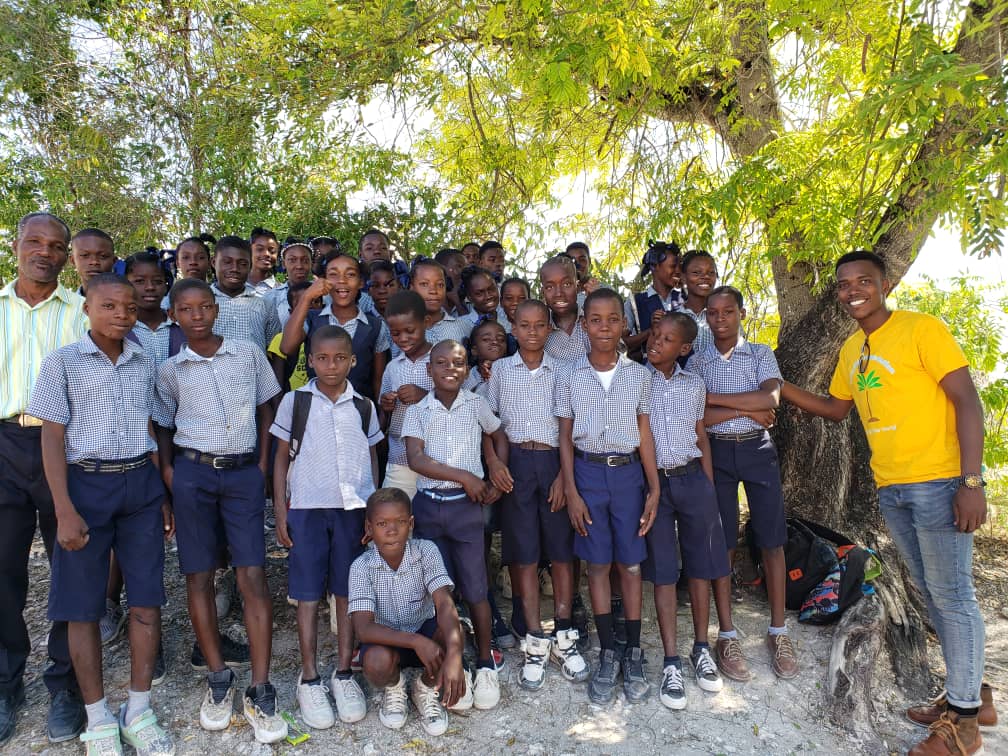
(299, 421)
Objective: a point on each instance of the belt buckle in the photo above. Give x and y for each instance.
(611, 460)
(221, 463)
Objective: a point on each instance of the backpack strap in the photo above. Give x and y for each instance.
(363, 407)
(299, 421)
(176, 339)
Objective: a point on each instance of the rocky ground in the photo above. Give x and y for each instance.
(765, 715)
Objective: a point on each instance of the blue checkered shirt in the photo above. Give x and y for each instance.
(524, 401)
(156, 343)
(450, 327)
(211, 401)
(566, 348)
(704, 337)
(677, 404)
(605, 422)
(748, 367)
(475, 383)
(105, 407)
(401, 599)
(333, 468)
(452, 436)
(248, 317)
(384, 342)
(500, 317)
(400, 372)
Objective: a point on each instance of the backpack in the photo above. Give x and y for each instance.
(299, 421)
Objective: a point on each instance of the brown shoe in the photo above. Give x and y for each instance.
(730, 660)
(950, 735)
(783, 659)
(925, 716)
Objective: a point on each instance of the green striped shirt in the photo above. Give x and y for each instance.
(28, 334)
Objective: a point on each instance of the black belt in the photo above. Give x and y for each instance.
(737, 437)
(112, 465)
(678, 472)
(23, 420)
(216, 461)
(611, 460)
(444, 494)
(534, 446)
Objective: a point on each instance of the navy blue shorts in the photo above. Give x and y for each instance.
(754, 464)
(687, 514)
(615, 499)
(206, 500)
(326, 542)
(529, 530)
(407, 656)
(122, 512)
(456, 527)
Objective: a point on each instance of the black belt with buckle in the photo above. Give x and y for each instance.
(610, 460)
(678, 472)
(534, 446)
(112, 465)
(737, 437)
(216, 461)
(443, 494)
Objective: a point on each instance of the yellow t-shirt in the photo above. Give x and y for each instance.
(300, 375)
(909, 421)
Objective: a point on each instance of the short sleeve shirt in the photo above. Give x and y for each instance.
(384, 340)
(156, 342)
(523, 399)
(677, 404)
(450, 327)
(247, 317)
(403, 371)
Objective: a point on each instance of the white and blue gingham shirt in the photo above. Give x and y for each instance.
(474, 381)
(605, 422)
(265, 286)
(211, 401)
(247, 317)
(474, 317)
(677, 404)
(748, 367)
(333, 434)
(105, 407)
(402, 371)
(566, 348)
(401, 599)
(277, 299)
(523, 401)
(384, 342)
(450, 327)
(156, 343)
(452, 436)
(704, 337)
(670, 303)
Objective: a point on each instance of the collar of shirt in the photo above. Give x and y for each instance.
(346, 396)
(515, 362)
(577, 323)
(265, 285)
(250, 291)
(432, 402)
(446, 316)
(188, 355)
(582, 363)
(327, 311)
(130, 350)
(741, 347)
(676, 372)
(166, 323)
(61, 292)
(411, 555)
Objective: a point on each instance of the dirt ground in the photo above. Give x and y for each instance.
(765, 715)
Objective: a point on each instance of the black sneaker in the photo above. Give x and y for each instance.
(160, 668)
(502, 634)
(602, 686)
(518, 625)
(635, 684)
(673, 690)
(67, 717)
(9, 706)
(619, 635)
(235, 655)
(579, 620)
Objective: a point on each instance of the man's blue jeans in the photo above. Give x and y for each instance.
(940, 558)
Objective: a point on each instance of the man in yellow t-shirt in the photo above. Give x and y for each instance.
(922, 416)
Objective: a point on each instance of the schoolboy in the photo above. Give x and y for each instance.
(325, 487)
(265, 247)
(406, 381)
(578, 251)
(95, 400)
(382, 284)
(429, 279)
(215, 393)
(153, 328)
(243, 314)
(297, 264)
(454, 263)
(92, 253)
(491, 257)
(444, 433)
(558, 281)
(533, 524)
(607, 458)
(687, 515)
(488, 344)
(912, 388)
(400, 601)
(743, 389)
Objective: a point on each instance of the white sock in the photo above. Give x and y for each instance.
(98, 714)
(138, 703)
(727, 634)
(777, 630)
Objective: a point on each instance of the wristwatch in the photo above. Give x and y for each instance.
(973, 481)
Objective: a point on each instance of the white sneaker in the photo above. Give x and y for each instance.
(537, 655)
(486, 690)
(215, 711)
(145, 735)
(112, 622)
(261, 712)
(350, 701)
(566, 655)
(394, 704)
(465, 701)
(102, 740)
(433, 717)
(673, 690)
(707, 676)
(314, 704)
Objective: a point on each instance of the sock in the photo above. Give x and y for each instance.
(343, 674)
(777, 630)
(964, 712)
(672, 661)
(138, 703)
(484, 664)
(561, 624)
(616, 606)
(697, 646)
(727, 634)
(98, 714)
(604, 626)
(317, 680)
(633, 633)
(516, 606)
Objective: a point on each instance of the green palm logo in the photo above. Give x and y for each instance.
(868, 380)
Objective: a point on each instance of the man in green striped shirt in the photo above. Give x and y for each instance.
(37, 316)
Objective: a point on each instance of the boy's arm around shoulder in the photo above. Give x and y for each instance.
(827, 406)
